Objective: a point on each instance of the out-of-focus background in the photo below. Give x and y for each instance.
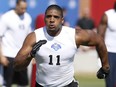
(74, 8)
(86, 61)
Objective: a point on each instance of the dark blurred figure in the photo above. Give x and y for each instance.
(15, 24)
(86, 22)
(107, 29)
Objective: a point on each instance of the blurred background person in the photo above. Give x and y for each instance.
(107, 29)
(14, 27)
(85, 22)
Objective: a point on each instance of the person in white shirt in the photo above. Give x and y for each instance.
(107, 29)
(54, 47)
(15, 25)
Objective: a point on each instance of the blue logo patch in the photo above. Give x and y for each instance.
(56, 46)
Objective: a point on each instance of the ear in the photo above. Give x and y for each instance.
(62, 20)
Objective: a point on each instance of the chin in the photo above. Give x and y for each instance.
(51, 28)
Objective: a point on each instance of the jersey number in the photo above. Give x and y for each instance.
(58, 60)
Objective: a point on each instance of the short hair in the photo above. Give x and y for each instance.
(18, 1)
(54, 6)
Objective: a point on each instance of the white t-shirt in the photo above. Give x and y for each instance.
(13, 30)
(110, 35)
(55, 58)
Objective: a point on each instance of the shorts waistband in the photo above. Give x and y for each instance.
(69, 85)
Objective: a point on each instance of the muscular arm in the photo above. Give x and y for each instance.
(90, 38)
(102, 26)
(23, 57)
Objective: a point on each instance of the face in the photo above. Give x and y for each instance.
(53, 20)
(21, 8)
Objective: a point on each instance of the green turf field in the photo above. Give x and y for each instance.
(86, 80)
(89, 80)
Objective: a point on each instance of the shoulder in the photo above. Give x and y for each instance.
(27, 15)
(85, 35)
(39, 29)
(7, 14)
(31, 35)
(81, 32)
(66, 28)
(110, 11)
(110, 14)
(31, 38)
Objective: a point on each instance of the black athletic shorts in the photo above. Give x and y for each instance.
(72, 84)
(13, 77)
(20, 78)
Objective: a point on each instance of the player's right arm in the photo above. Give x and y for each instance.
(23, 57)
(28, 51)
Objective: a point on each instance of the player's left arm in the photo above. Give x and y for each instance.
(90, 38)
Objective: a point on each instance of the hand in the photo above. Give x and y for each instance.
(4, 61)
(102, 74)
(36, 47)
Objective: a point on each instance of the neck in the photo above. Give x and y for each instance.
(54, 32)
(17, 12)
